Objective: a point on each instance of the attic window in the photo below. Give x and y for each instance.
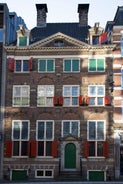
(59, 43)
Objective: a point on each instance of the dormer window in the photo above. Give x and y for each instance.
(22, 41)
(59, 43)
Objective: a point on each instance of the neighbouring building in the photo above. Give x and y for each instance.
(8, 25)
(115, 35)
(58, 118)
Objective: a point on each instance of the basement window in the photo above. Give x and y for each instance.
(44, 173)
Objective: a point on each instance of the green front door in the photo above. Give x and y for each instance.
(96, 176)
(70, 156)
(19, 175)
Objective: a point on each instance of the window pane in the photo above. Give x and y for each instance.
(49, 101)
(91, 148)
(100, 130)
(40, 173)
(24, 148)
(49, 65)
(99, 148)
(92, 133)
(75, 65)
(40, 148)
(41, 101)
(49, 129)
(100, 90)
(25, 66)
(92, 90)
(49, 91)
(74, 101)
(99, 101)
(92, 65)
(18, 66)
(75, 90)
(67, 65)
(15, 148)
(74, 128)
(48, 148)
(41, 91)
(42, 65)
(100, 64)
(24, 132)
(67, 101)
(66, 128)
(23, 41)
(17, 91)
(48, 173)
(25, 91)
(16, 130)
(92, 101)
(40, 130)
(67, 91)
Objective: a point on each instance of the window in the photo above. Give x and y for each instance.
(71, 95)
(45, 136)
(96, 65)
(44, 173)
(96, 94)
(22, 41)
(70, 127)
(96, 137)
(59, 43)
(21, 66)
(20, 137)
(45, 95)
(46, 65)
(71, 65)
(21, 95)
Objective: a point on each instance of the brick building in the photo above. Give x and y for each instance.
(8, 25)
(58, 106)
(115, 34)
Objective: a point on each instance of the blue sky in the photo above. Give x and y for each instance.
(65, 10)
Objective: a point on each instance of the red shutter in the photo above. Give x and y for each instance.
(61, 100)
(81, 100)
(55, 100)
(33, 148)
(86, 149)
(107, 100)
(87, 100)
(8, 148)
(30, 64)
(54, 148)
(11, 64)
(105, 149)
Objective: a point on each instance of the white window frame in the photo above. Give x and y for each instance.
(71, 71)
(20, 139)
(70, 121)
(96, 96)
(96, 65)
(22, 61)
(44, 173)
(70, 97)
(46, 59)
(28, 96)
(45, 97)
(45, 139)
(96, 140)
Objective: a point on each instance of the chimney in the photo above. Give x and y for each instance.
(41, 14)
(83, 14)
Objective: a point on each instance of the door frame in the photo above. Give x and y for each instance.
(77, 145)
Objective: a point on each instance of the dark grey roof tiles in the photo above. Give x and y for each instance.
(70, 29)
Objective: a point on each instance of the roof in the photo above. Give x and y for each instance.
(118, 19)
(70, 29)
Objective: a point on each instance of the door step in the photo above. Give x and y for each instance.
(70, 176)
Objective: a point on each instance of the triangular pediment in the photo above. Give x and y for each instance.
(59, 40)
